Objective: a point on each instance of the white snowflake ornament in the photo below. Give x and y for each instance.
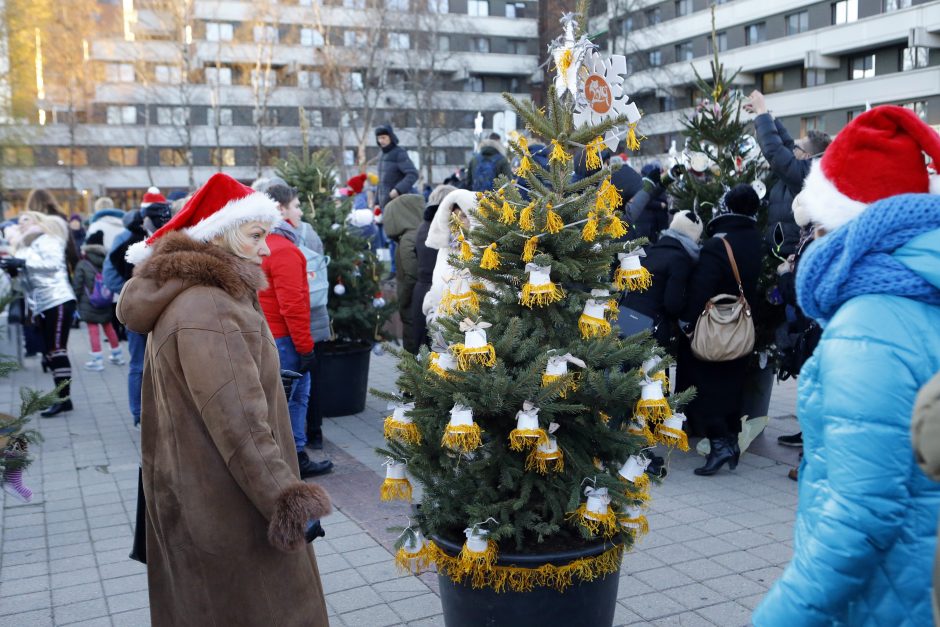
(568, 55)
(602, 96)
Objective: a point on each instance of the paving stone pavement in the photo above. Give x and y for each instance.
(715, 544)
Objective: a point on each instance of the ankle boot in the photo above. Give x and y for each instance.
(722, 450)
(736, 450)
(58, 408)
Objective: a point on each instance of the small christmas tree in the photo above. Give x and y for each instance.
(356, 304)
(526, 429)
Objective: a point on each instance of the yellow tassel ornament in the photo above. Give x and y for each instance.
(633, 472)
(458, 295)
(670, 432)
(523, 144)
(525, 166)
(608, 197)
(477, 558)
(526, 223)
(634, 520)
(398, 426)
(546, 457)
(558, 154)
(652, 404)
(539, 289)
(396, 484)
(593, 153)
(527, 432)
(589, 231)
(593, 321)
(528, 251)
(414, 555)
(475, 348)
(633, 142)
(490, 259)
(615, 227)
(596, 515)
(553, 221)
(465, 252)
(442, 364)
(462, 434)
(631, 274)
(557, 369)
(507, 214)
(639, 427)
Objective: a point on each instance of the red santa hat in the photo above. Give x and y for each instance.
(152, 196)
(220, 204)
(356, 183)
(877, 155)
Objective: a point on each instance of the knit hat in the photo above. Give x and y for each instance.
(95, 238)
(877, 155)
(687, 223)
(220, 204)
(153, 195)
(355, 183)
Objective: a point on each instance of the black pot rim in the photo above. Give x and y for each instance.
(534, 560)
(348, 348)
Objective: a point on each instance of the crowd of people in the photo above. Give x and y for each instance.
(221, 313)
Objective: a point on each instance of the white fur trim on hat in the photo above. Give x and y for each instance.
(254, 207)
(137, 252)
(822, 204)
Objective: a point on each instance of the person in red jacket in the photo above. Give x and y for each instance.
(286, 306)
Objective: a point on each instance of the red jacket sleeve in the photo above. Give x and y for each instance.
(288, 279)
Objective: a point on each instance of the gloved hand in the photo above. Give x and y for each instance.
(674, 174)
(288, 377)
(314, 531)
(307, 362)
(12, 265)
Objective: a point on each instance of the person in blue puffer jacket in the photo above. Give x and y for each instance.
(866, 521)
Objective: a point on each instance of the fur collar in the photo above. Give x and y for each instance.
(177, 256)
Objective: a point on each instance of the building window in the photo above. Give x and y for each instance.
(771, 82)
(515, 10)
(122, 115)
(349, 158)
(355, 39)
(119, 73)
(219, 31)
(399, 41)
(812, 123)
(122, 156)
(844, 11)
(683, 7)
(813, 78)
(797, 23)
(18, 156)
(722, 39)
(653, 16)
(474, 83)
(684, 51)
(853, 113)
(396, 5)
(920, 108)
(218, 76)
(315, 118)
(862, 67)
(307, 79)
(172, 157)
(913, 58)
(224, 117)
(175, 116)
(167, 74)
(443, 43)
(270, 156)
(355, 80)
(265, 34)
(75, 157)
(438, 6)
(440, 157)
(222, 157)
(480, 44)
(655, 58)
(626, 26)
(518, 46)
(894, 5)
(310, 37)
(478, 8)
(263, 79)
(354, 4)
(755, 33)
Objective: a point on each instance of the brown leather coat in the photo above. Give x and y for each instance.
(226, 509)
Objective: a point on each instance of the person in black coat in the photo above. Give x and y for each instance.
(790, 163)
(716, 408)
(670, 260)
(427, 257)
(397, 174)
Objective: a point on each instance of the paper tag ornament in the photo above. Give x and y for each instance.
(631, 274)
(601, 97)
(396, 484)
(557, 369)
(398, 426)
(475, 348)
(634, 520)
(547, 456)
(652, 404)
(539, 289)
(595, 514)
(413, 556)
(527, 432)
(633, 471)
(459, 295)
(442, 364)
(461, 434)
(670, 432)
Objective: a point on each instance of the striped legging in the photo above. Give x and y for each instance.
(55, 324)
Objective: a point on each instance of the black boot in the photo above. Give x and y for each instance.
(310, 468)
(722, 450)
(58, 408)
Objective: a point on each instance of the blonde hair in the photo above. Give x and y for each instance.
(50, 225)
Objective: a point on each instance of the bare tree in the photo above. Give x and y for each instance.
(263, 77)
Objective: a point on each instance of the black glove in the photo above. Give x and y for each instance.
(307, 362)
(12, 265)
(314, 531)
(287, 380)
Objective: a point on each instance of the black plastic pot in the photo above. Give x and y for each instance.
(343, 378)
(758, 387)
(583, 603)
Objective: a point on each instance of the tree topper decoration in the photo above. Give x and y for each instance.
(568, 53)
(602, 97)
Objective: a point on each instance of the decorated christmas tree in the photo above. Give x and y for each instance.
(356, 304)
(526, 424)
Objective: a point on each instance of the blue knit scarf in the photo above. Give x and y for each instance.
(858, 259)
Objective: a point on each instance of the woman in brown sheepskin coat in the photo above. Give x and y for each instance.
(226, 509)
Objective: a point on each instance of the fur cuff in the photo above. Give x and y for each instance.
(295, 507)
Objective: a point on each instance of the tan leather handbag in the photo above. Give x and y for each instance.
(725, 330)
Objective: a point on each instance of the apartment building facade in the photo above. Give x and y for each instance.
(820, 62)
(184, 88)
